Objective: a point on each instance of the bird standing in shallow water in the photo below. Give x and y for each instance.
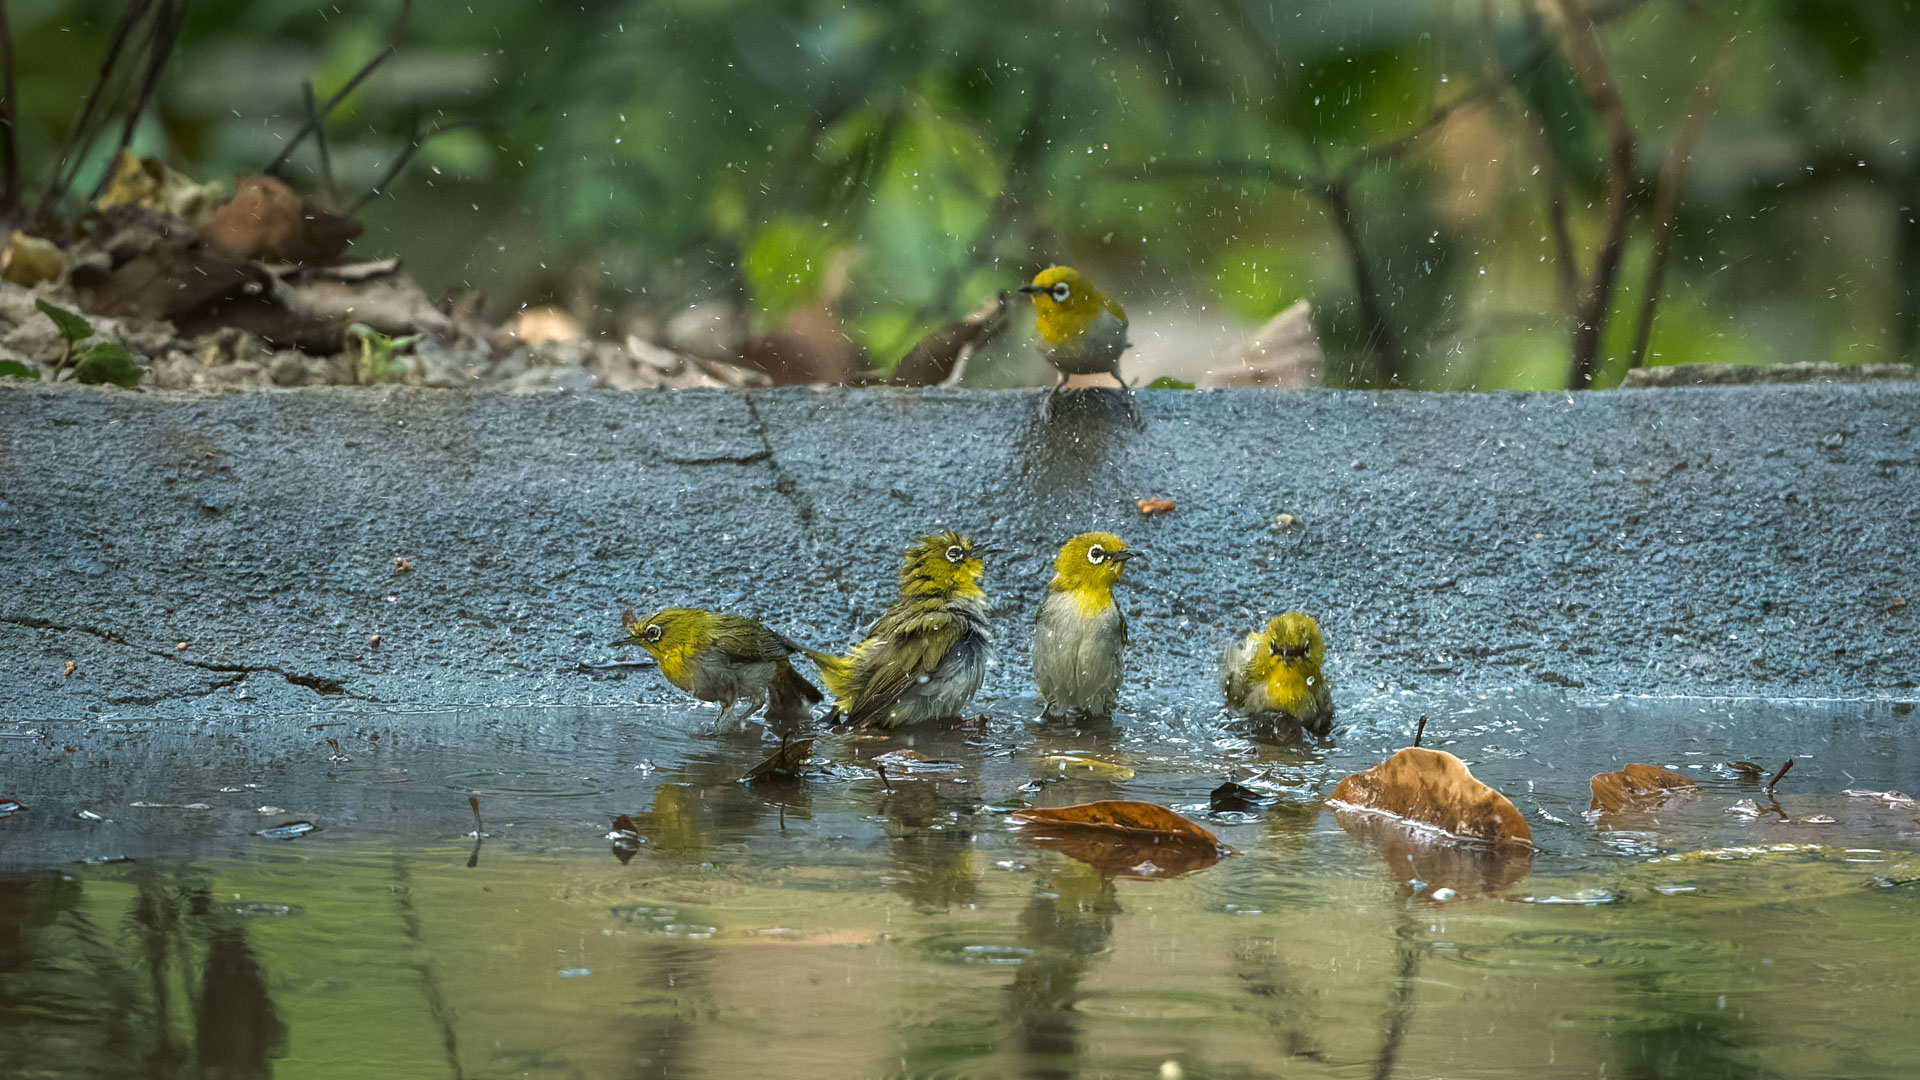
(1082, 330)
(1275, 672)
(726, 659)
(1080, 634)
(926, 655)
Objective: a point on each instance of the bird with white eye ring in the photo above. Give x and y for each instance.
(1080, 634)
(1274, 673)
(927, 654)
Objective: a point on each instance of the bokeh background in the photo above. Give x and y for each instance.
(1471, 194)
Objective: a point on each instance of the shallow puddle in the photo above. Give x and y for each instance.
(859, 924)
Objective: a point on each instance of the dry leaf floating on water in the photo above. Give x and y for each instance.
(1150, 507)
(1433, 788)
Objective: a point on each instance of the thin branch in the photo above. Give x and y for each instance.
(1666, 200)
(1376, 330)
(415, 141)
(159, 49)
(320, 143)
(1590, 65)
(81, 135)
(9, 123)
(1784, 769)
(313, 123)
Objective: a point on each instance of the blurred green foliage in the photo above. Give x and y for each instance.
(900, 159)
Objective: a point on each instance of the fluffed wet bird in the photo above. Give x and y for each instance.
(728, 659)
(1083, 331)
(927, 654)
(1274, 672)
(1080, 635)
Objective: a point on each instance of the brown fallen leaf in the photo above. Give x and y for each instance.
(69, 671)
(402, 564)
(1133, 839)
(147, 183)
(270, 221)
(180, 645)
(784, 762)
(630, 623)
(1636, 787)
(940, 358)
(373, 640)
(1434, 788)
(1155, 505)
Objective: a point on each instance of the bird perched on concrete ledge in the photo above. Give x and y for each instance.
(1082, 330)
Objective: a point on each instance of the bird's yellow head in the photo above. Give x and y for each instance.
(1091, 561)
(1066, 304)
(668, 630)
(1288, 659)
(942, 564)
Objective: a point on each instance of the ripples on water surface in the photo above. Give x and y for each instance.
(841, 926)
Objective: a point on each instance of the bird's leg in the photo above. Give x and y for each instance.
(1053, 395)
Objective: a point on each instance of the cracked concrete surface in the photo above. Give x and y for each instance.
(1753, 541)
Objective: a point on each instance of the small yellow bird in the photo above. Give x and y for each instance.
(1080, 634)
(726, 659)
(926, 655)
(1083, 330)
(1275, 672)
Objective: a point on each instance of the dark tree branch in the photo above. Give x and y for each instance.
(1590, 66)
(1382, 341)
(1666, 201)
(313, 123)
(415, 141)
(320, 143)
(9, 123)
(159, 49)
(81, 135)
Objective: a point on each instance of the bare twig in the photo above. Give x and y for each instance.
(320, 143)
(159, 48)
(1784, 769)
(9, 123)
(81, 135)
(1565, 263)
(1420, 729)
(415, 141)
(313, 123)
(1666, 201)
(1596, 81)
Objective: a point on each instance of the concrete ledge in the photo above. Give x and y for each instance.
(1740, 541)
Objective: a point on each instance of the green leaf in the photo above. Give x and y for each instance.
(73, 326)
(108, 362)
(1168, 382)
(14, 369)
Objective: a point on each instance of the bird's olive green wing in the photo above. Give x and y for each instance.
(913, 648)
(746, 640)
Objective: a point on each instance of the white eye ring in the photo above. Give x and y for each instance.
(956, 553)
(1309, 680)
(1096, 554)
(653, 632)
(1061, 292)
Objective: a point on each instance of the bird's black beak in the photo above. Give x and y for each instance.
(1031, 290)
(1126, 553)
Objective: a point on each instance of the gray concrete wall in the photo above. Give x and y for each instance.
(1740, 541)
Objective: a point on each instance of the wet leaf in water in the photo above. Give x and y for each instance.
(1074, 763)
(1891, 798)
(786, 761)
(1155, 505)
(1636, 787)
(292, 830)
(1236, 798)
(1433, 788)
(10, 806)
(1133, 839)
